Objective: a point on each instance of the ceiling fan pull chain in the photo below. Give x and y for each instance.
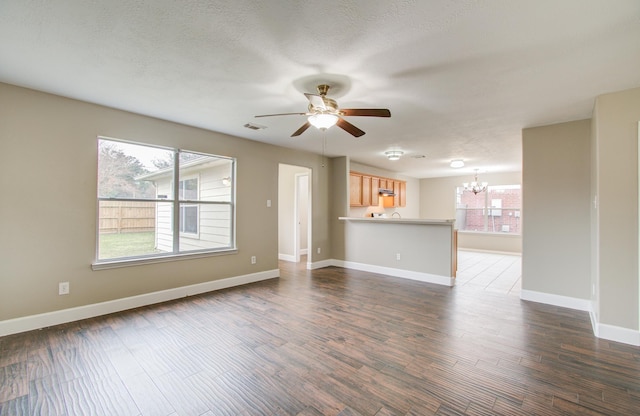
(324, 145)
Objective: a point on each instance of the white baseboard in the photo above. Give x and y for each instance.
(604, 331)
(28, 323)
(618, 334)
(291, 258)
(320, 264)
(287, 257)
(615, 333)
(556, 300)
(390, 271)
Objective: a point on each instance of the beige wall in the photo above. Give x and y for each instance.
(339, 204)
(438, 201)
(616, 275)
(556, 219)
(48, 166)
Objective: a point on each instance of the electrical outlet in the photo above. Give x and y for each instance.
(63, 288)
(397, 256)
(268, 203)
(253, 260)
(318, 250)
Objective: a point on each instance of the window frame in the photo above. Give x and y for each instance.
(177, 203)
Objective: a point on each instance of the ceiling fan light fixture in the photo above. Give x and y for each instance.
(323, 121)
(394, 154)
(457, 163)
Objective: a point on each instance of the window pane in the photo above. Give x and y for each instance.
(189, 219)
(128, 228)
(206, 178)
(213, 228)
(470, 210)
(504, 213)
(189, 189)
(127, 170)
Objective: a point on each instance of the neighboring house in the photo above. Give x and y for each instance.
(202, 225)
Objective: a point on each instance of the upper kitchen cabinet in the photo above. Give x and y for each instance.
(355, 189)
(364, 190)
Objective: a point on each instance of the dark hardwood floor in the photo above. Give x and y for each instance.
(324, 342)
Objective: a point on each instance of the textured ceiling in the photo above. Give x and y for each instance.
(461, 78)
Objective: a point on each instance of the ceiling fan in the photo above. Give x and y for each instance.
(323, 112)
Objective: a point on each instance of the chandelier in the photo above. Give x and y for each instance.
(475, 186)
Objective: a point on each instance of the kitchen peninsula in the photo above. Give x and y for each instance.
(418, 249)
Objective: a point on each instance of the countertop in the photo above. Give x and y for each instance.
(395, 220)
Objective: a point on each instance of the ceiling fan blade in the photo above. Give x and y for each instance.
(283, 114)
(316, 101)
(349, 128)
(370, 112)
(302, 129)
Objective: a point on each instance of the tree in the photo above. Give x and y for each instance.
(117, 173)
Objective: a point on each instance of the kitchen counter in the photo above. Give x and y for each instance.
(397, 220)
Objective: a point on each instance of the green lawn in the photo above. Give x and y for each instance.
(127, 244)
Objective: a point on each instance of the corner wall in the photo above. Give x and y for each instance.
(556, 219)
(616, 278)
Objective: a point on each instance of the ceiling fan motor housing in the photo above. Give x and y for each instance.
(331, 106)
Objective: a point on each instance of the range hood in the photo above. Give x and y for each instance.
(386, 192)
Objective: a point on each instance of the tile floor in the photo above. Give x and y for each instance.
(500, 273)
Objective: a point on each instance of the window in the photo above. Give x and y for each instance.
(497, 210)
(142, 216)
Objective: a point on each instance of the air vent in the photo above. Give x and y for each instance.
(254, 126)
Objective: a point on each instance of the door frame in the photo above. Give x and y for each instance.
(298, 251)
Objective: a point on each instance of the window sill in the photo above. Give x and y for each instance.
(113, 264)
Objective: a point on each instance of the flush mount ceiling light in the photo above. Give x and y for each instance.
(475, 186)
(457, 163)
(393, 154)
(323, 121)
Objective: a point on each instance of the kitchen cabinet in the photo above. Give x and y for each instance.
(400, 191)
(375, 186)
(364, 188)
(400, 194)
(355, 190)
(367, 191)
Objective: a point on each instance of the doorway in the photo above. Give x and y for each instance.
(294, 212)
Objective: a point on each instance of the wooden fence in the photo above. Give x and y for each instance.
(126, 216)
